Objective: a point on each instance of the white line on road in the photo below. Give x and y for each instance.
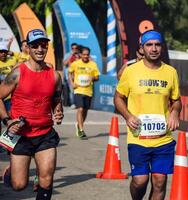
(92, 123)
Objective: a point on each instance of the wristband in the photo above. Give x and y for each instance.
(5, 120)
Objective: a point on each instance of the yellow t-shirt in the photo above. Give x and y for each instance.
(21, 56)
(82, 76)
(148, 92)
(6, 67)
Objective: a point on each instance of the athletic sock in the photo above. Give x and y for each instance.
(44, 194)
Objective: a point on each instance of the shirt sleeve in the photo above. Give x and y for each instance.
(72, 67)
(175, 93)
(123, 84)
(96, 71)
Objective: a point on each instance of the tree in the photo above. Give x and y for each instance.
(172, 16)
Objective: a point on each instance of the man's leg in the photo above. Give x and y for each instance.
(138, 186)
(162, 164)
(80, 117)
(46, 164)
(85, 111)
(19, 165)
(158, 189)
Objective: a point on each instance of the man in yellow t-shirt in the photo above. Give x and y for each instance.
(24, 54)
(82, 74)
(149, 86)
(6, 65)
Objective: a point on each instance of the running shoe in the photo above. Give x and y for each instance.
(6, 177)
(82, 135)
(35, 183)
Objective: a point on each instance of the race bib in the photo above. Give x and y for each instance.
(9, 141)
(153, 126)
(84, 80)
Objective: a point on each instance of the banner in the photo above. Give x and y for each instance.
(27, 20)
(134, 18)
(104, 90)
(111, 42)
(6, 33)
(75, 28)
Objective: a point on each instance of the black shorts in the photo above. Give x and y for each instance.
(30, 145)
(82, 101)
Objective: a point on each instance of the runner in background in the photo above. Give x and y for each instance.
(142, 97)
(139, 56)
(68, 59)
(20, 56)
(36, 92)
(82, 74)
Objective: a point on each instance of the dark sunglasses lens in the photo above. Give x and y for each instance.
(36, 46)
(3, 51)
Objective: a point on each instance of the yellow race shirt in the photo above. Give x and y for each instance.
(83, 72)
(21, 56)
(6, 67)
(148, 92)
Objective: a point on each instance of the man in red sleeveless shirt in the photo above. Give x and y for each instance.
(36, 95)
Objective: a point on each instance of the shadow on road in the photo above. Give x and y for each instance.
(103, 135)
(73, 179)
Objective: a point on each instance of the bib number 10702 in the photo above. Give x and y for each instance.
(154, 126)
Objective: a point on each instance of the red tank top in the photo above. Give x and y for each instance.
(32, 99)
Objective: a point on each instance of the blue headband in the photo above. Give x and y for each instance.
(150, 35)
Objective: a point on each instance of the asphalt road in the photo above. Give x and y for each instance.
(79, 161)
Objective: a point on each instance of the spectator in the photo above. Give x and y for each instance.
(68, 59)
(6, 64)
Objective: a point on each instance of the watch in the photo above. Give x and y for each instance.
(5, 120)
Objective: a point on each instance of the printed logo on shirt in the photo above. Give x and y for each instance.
(154, 83)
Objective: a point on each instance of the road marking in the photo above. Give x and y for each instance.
(92, 123)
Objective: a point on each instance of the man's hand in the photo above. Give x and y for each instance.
(14, 129)
(173, 120)
(58, 116)
(133, 122)
(74, 85)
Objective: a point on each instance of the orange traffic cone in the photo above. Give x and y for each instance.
(179, 187)
(112, 168)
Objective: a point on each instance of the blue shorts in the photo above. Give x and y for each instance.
(82, 101)
(145, 160)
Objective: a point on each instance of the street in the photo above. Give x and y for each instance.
(79, 161)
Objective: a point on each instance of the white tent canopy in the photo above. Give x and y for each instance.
(178, 55)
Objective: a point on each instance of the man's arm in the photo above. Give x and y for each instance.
(3, 112)
(57, 101)
(120, 103)
(95, 78)
(9, 84)
(174, 118)
(71, 80)
(6, 88)
(120, 72)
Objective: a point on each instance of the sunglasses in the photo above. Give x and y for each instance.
(44, 45)
(3, 51)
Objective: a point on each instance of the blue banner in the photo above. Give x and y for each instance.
(75, 28)
(104, 90)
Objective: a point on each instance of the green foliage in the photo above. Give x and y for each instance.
(172, 16)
